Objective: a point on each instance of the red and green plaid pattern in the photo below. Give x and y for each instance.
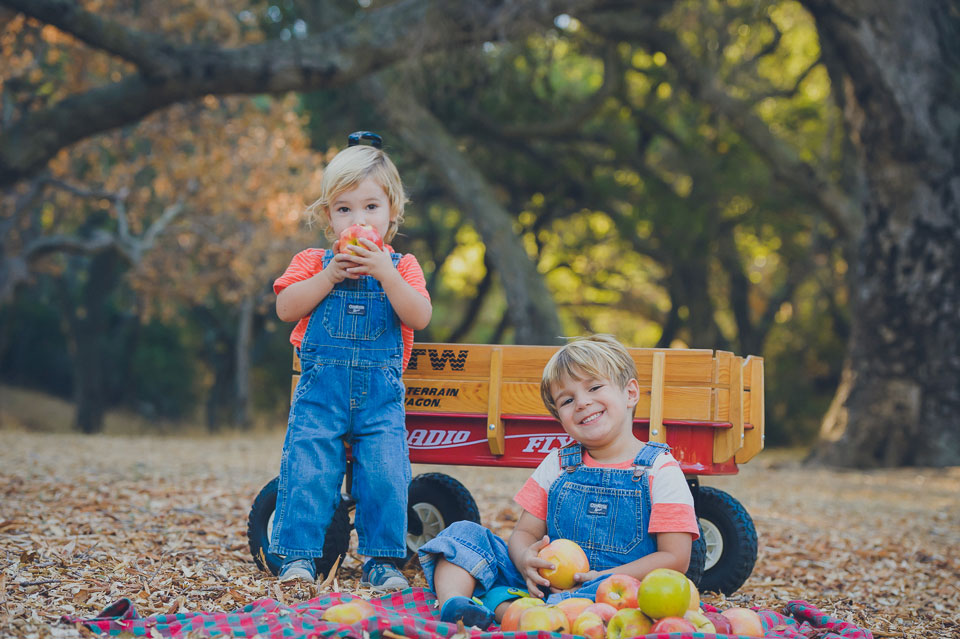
(410, 614)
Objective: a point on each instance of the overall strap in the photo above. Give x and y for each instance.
(327, 256)
(646, 456)
(570, 457)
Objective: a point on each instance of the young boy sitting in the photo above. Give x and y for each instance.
(624, 501)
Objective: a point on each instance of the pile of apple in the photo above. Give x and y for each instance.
(663, 601)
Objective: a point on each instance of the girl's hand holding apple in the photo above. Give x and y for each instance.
(365, 258)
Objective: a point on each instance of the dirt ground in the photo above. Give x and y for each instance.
(87, 520)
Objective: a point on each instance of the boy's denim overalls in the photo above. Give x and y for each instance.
(350, 389)
(605, 510)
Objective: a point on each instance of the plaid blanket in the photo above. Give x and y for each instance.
(409, 614)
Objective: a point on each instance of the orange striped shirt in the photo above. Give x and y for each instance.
(309, 262)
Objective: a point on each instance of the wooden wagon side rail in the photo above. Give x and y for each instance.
(680, 389)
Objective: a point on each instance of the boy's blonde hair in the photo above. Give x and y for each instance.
(349, 168)
(600, 356)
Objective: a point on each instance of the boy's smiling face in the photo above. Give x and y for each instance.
(598, 413)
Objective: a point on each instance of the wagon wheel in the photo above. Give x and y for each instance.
(438, 500)
(730, 539)
(260, 529)
(698, 558)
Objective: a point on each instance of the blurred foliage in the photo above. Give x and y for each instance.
(647, 214)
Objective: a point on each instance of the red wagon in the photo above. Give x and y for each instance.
(479, 405)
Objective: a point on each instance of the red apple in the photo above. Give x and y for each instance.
(573, 607)
(351, 235)
(605, 610)
(511, 618)
(567, 558)
(700, 620)
(744, 621)
(720, 623)
(620, 591)
(664, 593)
(628, 622)
(349, 612)
(589, 625)
(673, 624)
(549, 618)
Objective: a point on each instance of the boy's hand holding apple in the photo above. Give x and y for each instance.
(530, 566)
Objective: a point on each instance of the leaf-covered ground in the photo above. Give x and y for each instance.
(87, 520)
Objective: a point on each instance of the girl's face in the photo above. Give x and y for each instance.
(596, 412)
(366, 203)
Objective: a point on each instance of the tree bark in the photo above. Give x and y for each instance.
(899, 68)
(530, 307)
(87, 322)
(168, 73)
(241, 407)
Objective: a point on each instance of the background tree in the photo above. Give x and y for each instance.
(676, 172)
(896, 72)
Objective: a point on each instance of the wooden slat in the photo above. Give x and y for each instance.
(727, 441)
(495, 437)
(684, 367)
(525, 363)
(753, 439)
(657, 432)
(523, 398)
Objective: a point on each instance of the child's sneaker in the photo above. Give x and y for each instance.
(466, 610)
(382, 575)
(298, 568)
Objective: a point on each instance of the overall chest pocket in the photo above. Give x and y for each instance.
(355, 315)
(604, 519)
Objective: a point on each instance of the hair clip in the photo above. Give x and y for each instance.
(375, 140)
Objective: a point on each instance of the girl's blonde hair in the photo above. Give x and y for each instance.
(600, 356)
(345, 171)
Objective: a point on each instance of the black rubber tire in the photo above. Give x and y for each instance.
(335, 544)
(738, 534)
(438, 500)
(698, 557)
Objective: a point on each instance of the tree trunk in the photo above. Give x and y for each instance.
(530, 307)
(241, 406)
(88, 335)
(899, 68)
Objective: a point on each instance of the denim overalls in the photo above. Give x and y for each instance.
(350, 389)
(605, 510)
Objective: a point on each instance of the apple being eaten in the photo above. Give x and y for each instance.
(744, 621)
(628, 622)
(567, 558)
(664, 593)
(349, 612)
(620, 591)
(351, 235)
